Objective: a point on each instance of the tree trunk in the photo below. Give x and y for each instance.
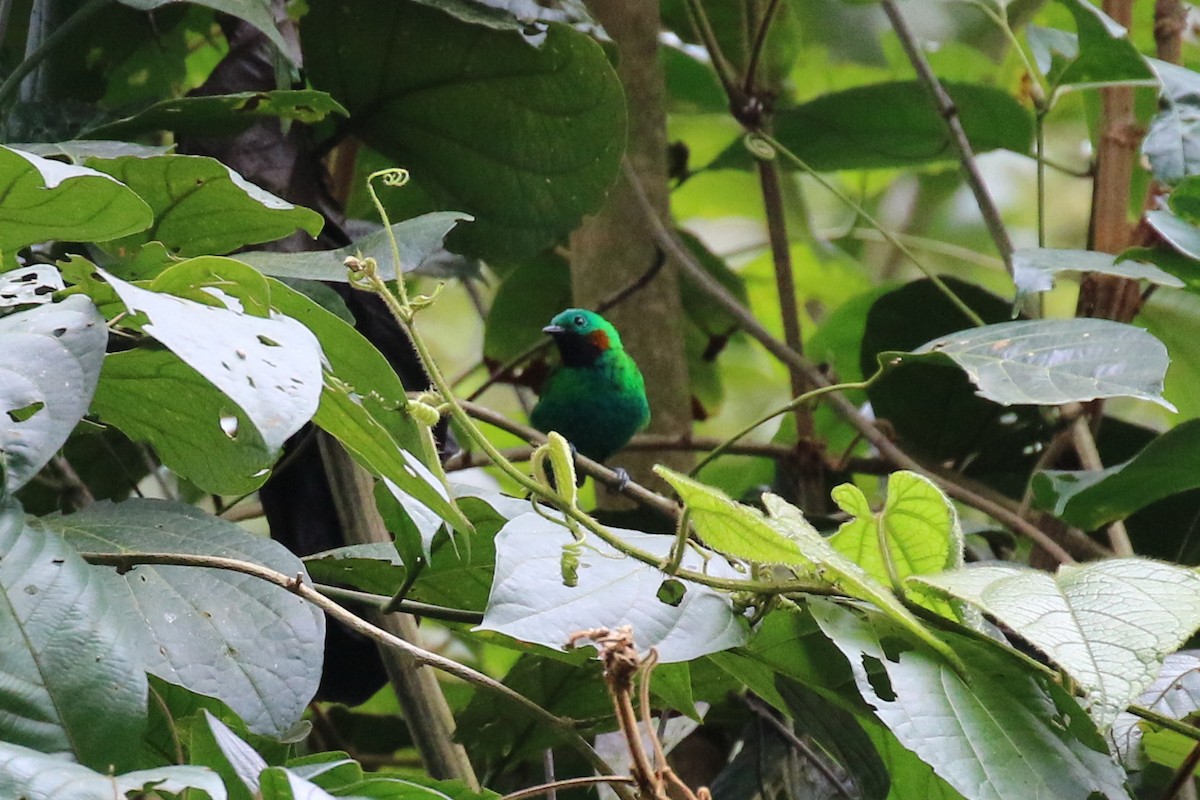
(611, 248)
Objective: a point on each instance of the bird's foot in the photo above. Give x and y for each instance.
(622, 481)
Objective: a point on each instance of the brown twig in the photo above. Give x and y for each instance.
(567, 783)
(958, 137)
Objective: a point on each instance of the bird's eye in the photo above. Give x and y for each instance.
(579, 321)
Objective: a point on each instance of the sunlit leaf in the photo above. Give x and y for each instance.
(41, 199)
(1108, 624)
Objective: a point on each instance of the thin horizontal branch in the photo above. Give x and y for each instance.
(601, 473)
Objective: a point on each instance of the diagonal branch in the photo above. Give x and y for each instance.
(958, 137)
(842, 406)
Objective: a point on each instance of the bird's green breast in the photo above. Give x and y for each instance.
(597, 407)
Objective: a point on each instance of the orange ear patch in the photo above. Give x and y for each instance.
(599, 340)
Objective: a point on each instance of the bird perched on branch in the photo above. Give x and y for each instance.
(597, 398)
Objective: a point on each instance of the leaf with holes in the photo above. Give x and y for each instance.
(73, 683)
(1053, 361)
(270, 367)
(1107, 624)
(251, 644)
(202, 206)
(44, 200)
(50, 359)
(32, 285)
(993, 732)
(152, 396)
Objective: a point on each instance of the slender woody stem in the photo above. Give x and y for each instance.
(958, 137)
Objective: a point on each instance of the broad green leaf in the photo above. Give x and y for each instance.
(152, 396)
(891, 125)
(1108, 624)
(221, 115)
(32, 285)
(413, 524)
(535, 290)
(201, 206)
(785, 537)
(354, 365)
(917, 532)
(204, 628)
(735, 529)
(1172, 143)
(1174, 693)
(32, 775)
(42, 199)
(554, 115)
(1101, 54)
(418, 239)
(839, 733)
(1034, 268)
(1169, 464)
(530, 602)
(50, 359)
(258, 13)
(1184, 201)
(1054, 361)
(996, 732)
(270, 368)
(73, 682)
(387, 787)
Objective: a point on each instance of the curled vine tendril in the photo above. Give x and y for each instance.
(759, 147)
